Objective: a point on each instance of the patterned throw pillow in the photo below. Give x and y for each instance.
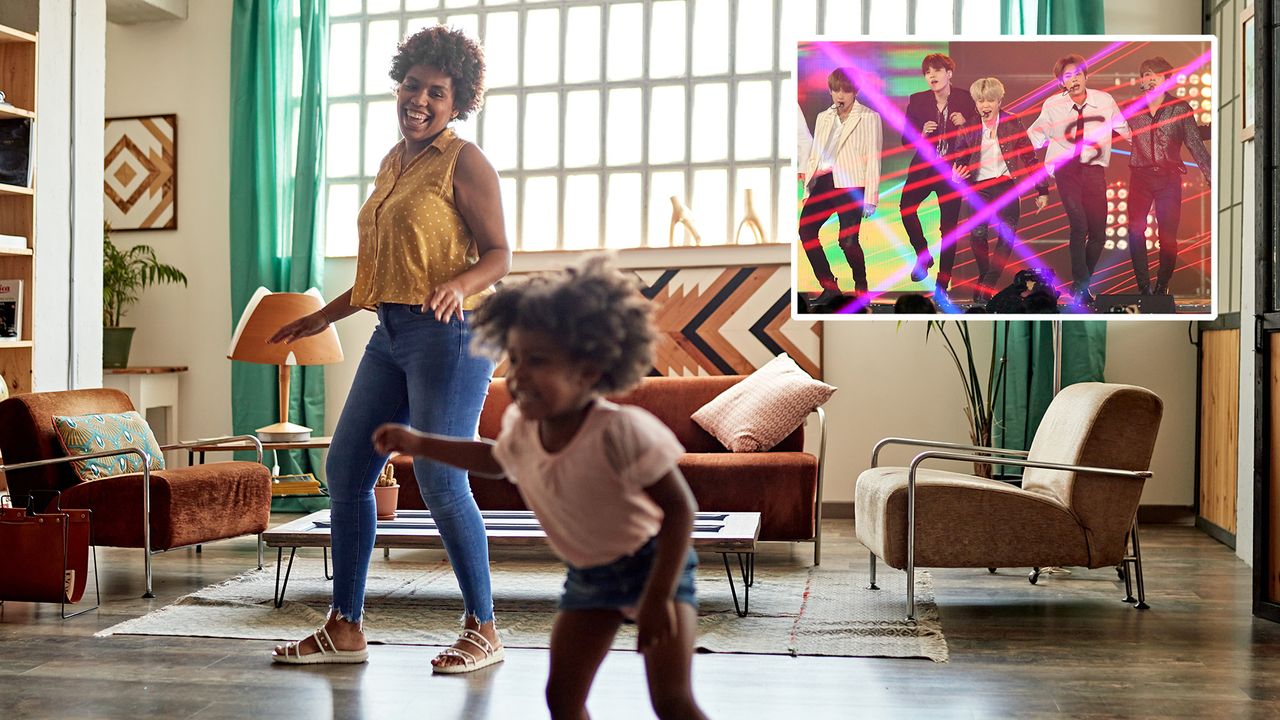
(84, 434)
(763, 409)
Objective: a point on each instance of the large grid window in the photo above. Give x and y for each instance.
(599, 111)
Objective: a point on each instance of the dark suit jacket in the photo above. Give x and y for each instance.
(921, 108)
(1015, 146)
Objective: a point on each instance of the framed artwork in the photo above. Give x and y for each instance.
(140, 179)
(1247, 70)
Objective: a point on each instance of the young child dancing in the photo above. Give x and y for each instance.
(600, 477)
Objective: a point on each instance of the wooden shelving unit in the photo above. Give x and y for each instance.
(17, 204)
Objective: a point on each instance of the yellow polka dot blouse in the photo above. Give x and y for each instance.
(412, 237)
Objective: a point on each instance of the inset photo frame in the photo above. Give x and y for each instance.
(140, 173)
(1006, 178)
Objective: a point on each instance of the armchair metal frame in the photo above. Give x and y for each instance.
(998, 456)
(146, 488)
(822, 463)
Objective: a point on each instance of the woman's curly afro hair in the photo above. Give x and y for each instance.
(595, 312)
(451, 52)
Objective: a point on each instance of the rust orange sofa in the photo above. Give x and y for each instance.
(784, 484)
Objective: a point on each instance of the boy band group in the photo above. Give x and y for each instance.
(967, 148)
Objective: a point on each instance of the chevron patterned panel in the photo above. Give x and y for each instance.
(728, 320)
(140, 177)
(725, 320)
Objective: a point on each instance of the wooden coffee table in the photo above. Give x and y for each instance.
(726, 533)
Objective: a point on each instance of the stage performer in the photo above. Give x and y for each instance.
(1077, 126)
(842, 176)
(1001, 157)
(1156, 170)
(938, 116)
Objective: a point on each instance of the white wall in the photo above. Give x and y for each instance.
(183, 67)
(1152, 17)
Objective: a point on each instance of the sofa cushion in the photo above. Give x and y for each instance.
(756, 414)
(781, 486)
(101, 432)
(182, 503)
(964, 521)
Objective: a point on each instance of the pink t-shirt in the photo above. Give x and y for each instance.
(589, 496)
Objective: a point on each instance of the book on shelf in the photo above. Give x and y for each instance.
(15, 151)
(10, 310)
(12, 242)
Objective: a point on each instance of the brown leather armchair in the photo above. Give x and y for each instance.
(1077, 505)
(153, 510)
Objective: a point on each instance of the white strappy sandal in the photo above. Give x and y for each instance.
(327, 654)
(488, 654)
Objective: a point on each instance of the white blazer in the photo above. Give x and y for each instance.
(857, 159)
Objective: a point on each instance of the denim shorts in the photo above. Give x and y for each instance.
(619, 584)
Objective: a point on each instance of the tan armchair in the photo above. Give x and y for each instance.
(153, 510)
(1077, 505)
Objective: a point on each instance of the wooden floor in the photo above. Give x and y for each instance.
(1065, 648)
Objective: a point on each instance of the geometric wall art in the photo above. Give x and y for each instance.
(723, 320)
(140, 173)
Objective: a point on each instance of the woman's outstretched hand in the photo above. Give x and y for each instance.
(445, 302)
(305, 326)
(394, 437)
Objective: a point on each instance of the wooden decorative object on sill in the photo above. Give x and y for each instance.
(681, 215)
(750, 220)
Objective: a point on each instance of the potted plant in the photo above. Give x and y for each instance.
(979, 407)
(386, 493)
(125, 273)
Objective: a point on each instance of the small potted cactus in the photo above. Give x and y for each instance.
(386, 492)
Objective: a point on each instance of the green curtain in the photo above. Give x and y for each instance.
(277, 143)
(1028, 385)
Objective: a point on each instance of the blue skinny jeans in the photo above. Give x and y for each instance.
(420, 371)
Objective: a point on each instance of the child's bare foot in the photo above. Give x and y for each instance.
(478, 646)
(337, 641)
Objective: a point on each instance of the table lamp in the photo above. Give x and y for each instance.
(266, 313)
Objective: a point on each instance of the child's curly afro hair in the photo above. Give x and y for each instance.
(595, 312)
(450, 51)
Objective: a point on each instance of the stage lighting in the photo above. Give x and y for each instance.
(1182, 92)
(1205, 118)
(1206, 105)
(1206, 91)
(1123, 205)
(1122, 219)
(1206, 78)
(1149, 245)
(1121, 232)
(1194, 79)
(1194, 92)
(1122, 193)
(1109, 245)
(1122, 245)
(1110, 218)
(1182, 79)
(1111, 232)
(1111, 193)
(1111, 206)
(1149, 232)
(1150, 219)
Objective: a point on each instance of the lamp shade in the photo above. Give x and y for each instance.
(266, 313)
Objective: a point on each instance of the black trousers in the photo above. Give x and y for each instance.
(846, 203)
(1163, 189)
(1083, 189)
(991, 262)
(920, 183)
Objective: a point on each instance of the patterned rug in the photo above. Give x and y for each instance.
(795, 609)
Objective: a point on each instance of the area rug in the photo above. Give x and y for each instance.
(794, 610)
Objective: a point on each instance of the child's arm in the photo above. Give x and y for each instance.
(471, 455)
(657, 621)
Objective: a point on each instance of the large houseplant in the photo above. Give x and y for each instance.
(125, 273)
(980, 403)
